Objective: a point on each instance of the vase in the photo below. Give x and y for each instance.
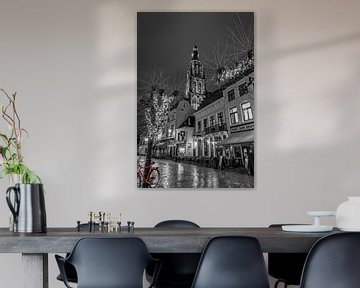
(27, 205)
(13, 179)
(348, 214)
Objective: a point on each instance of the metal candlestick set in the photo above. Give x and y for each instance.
(104, 222)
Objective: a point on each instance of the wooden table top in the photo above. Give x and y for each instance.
(158, 240)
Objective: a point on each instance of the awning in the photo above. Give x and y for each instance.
(238, 138)
(159, 145)
(164, 142)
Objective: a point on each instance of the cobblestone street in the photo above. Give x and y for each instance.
(184, 175)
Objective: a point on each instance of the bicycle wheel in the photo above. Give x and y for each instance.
(154, 178)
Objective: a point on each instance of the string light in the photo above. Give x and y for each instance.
(156, 113)
(241, 70)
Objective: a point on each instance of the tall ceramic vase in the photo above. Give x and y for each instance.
(27, 204)
(348, 214)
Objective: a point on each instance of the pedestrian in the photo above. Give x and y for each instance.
(246, 160)
(251, 161)
(227, 158)
(221, 162)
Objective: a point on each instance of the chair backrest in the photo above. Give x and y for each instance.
(333, 262)
(176, 224)
(286, 267)
(110, 262)
(232, 262)
(178, 269)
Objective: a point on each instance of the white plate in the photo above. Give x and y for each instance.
(350, 229)
(321, 213)
(306, 228)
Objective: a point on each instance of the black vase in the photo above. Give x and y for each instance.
(27, 207)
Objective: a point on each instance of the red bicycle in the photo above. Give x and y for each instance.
(153, 177)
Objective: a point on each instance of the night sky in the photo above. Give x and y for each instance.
(165, 40)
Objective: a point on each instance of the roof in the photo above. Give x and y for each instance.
(189, 122)
(211, 97)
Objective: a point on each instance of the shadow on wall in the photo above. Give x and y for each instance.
(310, 47)
(307, 103)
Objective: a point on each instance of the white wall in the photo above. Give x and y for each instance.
(73, 64)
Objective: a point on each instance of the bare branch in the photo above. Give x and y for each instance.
(242, 38)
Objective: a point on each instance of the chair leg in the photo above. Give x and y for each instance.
(277, 283)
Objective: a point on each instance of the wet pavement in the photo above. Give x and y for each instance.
(185, 175)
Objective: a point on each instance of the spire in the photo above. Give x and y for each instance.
(195, 53)
(195, 88)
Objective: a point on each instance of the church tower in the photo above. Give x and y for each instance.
(195, 91)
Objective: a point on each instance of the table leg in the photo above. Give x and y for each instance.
(35, 270)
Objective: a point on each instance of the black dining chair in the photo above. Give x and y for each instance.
(286, 267)
(108, 263)
(178, 269)
(70, 271)
(333, 262)
(232, 262)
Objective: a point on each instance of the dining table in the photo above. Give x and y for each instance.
(35, 247)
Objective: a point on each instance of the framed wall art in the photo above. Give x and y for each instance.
(195, 100)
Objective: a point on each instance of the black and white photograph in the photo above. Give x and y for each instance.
(195, 100)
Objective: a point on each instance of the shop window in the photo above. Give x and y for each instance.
(212, 151)
(206, 148)
(199, 145)
(247, 111)
(234, 118)
(237, 151)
